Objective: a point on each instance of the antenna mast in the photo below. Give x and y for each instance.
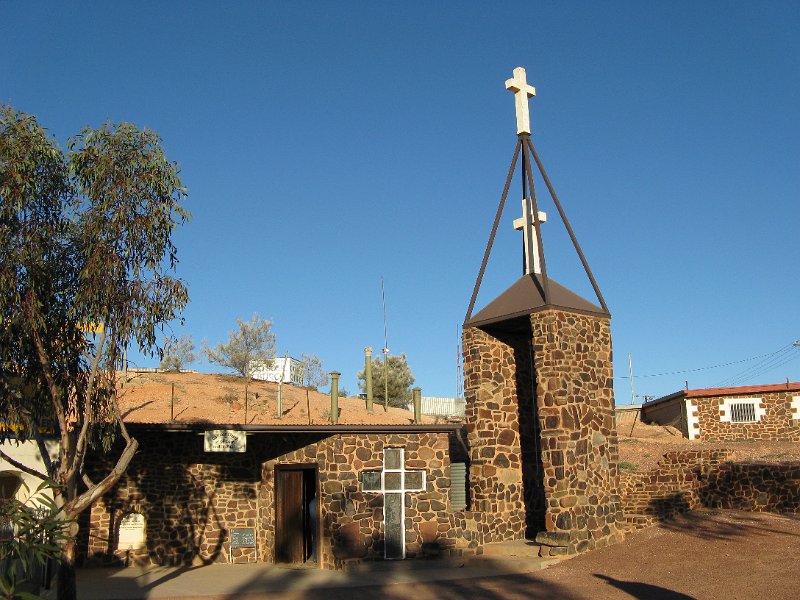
(385, 353)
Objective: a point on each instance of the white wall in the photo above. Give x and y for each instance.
(28, 454)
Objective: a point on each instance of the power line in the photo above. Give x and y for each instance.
(794, 345)
(762, 367)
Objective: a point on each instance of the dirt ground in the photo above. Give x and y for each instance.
(704, 555)
(646, 446)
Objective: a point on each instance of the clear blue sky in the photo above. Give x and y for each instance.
(326, 144)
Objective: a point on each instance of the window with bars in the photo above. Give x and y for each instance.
(743, 412)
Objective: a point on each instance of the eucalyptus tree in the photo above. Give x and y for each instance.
(395, 375)
(177, 353)
(251, 345)
(86, 269)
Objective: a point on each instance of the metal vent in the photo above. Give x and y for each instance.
(743, 412)
(458, 486)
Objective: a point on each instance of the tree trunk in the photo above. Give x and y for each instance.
(71, 509)
(67, 586)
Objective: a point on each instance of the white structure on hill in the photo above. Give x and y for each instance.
(442, 407)
(287, 370)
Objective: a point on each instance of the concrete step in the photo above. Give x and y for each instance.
(512, 548)
(477, 563)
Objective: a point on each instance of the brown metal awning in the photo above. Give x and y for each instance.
(526, 297)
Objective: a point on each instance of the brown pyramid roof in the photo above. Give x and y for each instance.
(525, 297)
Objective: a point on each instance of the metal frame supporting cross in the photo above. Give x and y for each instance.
(522, 91)
(524, 148)
(393, 481)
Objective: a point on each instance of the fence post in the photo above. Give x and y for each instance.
(417, 395)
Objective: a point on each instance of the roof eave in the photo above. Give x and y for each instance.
(339, 428)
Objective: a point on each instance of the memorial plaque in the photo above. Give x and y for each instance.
(130, 535)
(225, 440)
(243, 537)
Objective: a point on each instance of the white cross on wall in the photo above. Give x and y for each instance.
(522, 91)
(530, 241)
(394, 481)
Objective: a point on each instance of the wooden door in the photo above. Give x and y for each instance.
(289, 517)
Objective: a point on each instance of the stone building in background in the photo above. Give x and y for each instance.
(752, 412)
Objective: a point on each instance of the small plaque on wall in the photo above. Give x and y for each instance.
(225, 440)
(243, 537)
(131, 533)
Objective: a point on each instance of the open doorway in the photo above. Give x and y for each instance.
(296, 514)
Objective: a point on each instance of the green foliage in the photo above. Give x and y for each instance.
(178, 352)
(29, 537)
(400, 380)
(85, 244)
(314, 376)
(251, 342)
(85, 237)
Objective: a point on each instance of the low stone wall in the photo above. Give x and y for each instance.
(692, 479)
(765, 487)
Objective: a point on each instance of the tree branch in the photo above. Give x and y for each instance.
(48, 464)
(87, 480)
(72, 509)
(44, 361)
(118, 415)
(26, 469)
(88, 420)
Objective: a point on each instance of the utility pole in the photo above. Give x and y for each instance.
(385, 353)
(630, 367)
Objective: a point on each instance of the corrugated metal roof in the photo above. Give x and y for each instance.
(525, 297)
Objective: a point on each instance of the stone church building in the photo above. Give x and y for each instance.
(226, 474)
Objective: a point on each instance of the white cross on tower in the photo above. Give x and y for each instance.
(530, 241)
(522, 91)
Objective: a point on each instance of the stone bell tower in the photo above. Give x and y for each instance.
(538, 382)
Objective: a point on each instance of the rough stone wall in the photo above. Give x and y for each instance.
(574, 390)
(353, 519)
(191, 499)
(673, 487)
(494, 388)
(690, 479)
(540, 419)
(776, 424)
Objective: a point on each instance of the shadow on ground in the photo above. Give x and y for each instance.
(726, 524)
(643, 591)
